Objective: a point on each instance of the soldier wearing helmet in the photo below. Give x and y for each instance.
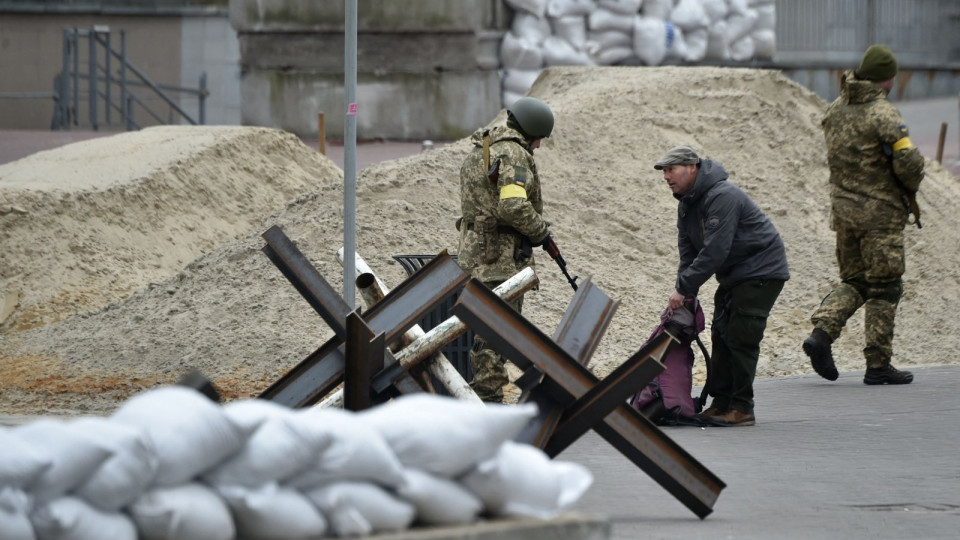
(501, 209)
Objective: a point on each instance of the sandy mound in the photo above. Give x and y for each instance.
(232, 314)
(92, 222)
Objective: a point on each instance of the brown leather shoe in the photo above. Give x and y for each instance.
(733, 418)
(709, 412)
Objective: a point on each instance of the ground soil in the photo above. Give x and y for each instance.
(130, 259)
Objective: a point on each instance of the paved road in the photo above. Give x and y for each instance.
(825, 460)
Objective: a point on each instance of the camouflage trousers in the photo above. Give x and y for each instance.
(871, 266)
(489, 367)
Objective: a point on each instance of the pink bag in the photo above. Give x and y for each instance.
(668, 399)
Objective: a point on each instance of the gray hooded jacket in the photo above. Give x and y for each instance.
(723, 232)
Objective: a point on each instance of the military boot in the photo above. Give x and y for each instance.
(887, 375)
(817, 347)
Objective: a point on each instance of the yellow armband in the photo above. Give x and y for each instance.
(512, 191)
(902, 144)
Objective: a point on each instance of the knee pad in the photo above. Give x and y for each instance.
(891, 291)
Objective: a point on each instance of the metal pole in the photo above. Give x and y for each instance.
(64, 101)
(92, 62)
(106, 69)
(76, 76)
(350, 152)
(203, 98)
(124, 100)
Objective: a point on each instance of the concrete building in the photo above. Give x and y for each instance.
(172, 42)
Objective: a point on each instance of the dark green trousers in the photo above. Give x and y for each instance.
(739, 320)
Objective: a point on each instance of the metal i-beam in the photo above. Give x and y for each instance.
(363, 353)
(320, 372)
(585, 321)
(305, 278)
(627, 430)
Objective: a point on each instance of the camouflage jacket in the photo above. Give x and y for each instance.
(507, 209)
(872, 161)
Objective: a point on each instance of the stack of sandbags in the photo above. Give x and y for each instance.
(649, 32)
(170, 464)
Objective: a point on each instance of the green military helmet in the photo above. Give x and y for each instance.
(533, 116)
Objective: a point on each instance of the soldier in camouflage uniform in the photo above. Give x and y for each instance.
(501, 219)
(875, 172)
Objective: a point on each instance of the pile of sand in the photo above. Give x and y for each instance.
(232, 314)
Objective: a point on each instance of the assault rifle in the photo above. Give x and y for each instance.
(551, 248)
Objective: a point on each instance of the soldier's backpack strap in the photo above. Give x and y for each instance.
(486, 150)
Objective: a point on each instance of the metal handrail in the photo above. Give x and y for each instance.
(67, 99)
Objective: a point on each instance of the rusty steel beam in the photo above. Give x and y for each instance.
(419, 294)
(585, 321)
(305, 278)
(314, 377)
(633, 435)
(363, 350)
(319, 373)
(610, 393)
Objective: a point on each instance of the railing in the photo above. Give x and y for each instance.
(86, 85)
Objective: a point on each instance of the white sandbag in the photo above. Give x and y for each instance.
(624, 7)
(439, 501)
(442, 435)
(742, 49)
(15, 507)
(612, 55)
(652, 38)
(249, 414)
(559, 52)
(532, 28)
(74, 457)
(716, 10)
(572, 28)
(361, 508)
(519, 81)
(272, 512)
(766, 17)
(740, 25)
(534, 7)
(15, 526)
(71, 518)
(285, 445)
(737, 7)
(560, 8)
(357, 451)
(520, 53)
(764, 44)
(20, 461)
(657, 9)
(127, 473)
(689, 15)
(186, 512)
(696, 44)
(508, 98)
(522, 481)
(604, 19)
(190, 433)
(717, 46)
(605, 39)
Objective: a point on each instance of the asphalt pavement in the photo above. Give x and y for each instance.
(825, 460)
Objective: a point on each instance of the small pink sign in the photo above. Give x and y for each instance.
(352, 109)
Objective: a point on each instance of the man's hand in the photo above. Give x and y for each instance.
(675, 301)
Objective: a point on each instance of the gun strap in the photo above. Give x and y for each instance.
(486, 150)
(706, 383)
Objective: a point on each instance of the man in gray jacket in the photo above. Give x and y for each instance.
(722, 232)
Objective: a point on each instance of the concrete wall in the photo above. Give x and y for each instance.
(170, 49)
(425, 68)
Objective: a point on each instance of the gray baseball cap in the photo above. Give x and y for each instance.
(678, 155)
